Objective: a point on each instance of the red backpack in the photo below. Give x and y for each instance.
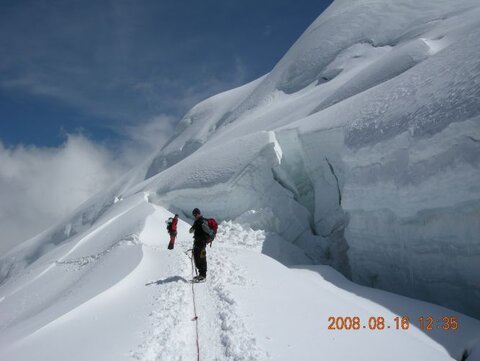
(213, 225)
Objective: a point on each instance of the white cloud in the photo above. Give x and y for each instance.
(40, 185)
(153, 133)
(145, 138)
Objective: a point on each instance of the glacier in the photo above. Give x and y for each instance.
(372, 159)
(360, 150)
(361, 147)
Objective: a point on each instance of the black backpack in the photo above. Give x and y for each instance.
(169, 224)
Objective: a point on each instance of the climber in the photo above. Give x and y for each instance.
(202, 234)
(172, 230)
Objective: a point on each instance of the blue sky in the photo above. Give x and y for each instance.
(103, 66)
(89, 88)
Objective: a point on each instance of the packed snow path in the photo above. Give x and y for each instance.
(172, 336)
(251, 307)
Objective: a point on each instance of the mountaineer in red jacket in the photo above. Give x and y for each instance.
(172, 230)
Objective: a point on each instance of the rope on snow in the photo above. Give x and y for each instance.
(195, 317)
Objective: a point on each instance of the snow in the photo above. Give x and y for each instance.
(355, 159)
(251, 308)
(345, 175)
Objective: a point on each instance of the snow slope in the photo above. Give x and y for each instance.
(359, 151)
(361, 147)
(140, 303)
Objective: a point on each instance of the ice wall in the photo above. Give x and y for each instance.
(361, 148)
(372, 163)
(414, 206)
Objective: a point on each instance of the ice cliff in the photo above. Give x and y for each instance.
(361, 148)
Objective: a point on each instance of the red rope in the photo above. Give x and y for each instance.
(195, 318)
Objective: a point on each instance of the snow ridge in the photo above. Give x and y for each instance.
(359, 150)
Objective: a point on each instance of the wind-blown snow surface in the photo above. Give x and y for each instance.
(359, 150)
(130, 299)
(361, 147)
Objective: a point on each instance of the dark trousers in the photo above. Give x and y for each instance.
(200, 259)
(173, 236)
